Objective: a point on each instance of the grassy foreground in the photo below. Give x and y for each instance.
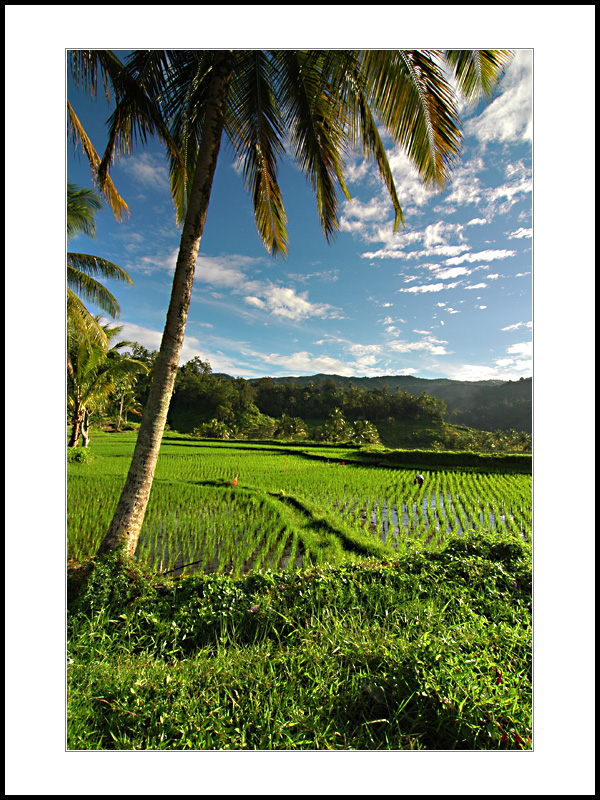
(429, 651)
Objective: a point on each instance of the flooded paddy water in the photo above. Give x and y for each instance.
(436, 514)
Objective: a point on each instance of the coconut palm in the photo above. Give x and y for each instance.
(322, 104)
(94, 377)
(82, 206)
(364, 432)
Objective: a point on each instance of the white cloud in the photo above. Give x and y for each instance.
(477, 221)
(364, 349)
(431, 287)
(227, 272)
(287, 303)
(453, 272)
(433, 346)
(521, 349)
(255, 301)
(517, 325)
(437, 234)
(148, 170)
(410, 188)
(485, 255)
(306, 363)
(521, 233)
(164, 262)
(477, 286)
(439, 251)
(465, 185)
(224, 271)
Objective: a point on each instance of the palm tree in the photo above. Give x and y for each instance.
(364, 432)
(94, 378)
(291, 427)
(324, 103)
(82, 205)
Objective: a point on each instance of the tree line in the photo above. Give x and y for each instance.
(200, 395)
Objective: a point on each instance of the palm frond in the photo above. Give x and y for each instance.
(82, 205)
(141, 87)
(255, 128)
(80, 323)
(88, 65)
(80, 271)
(410, 95)
(94, 265)
(183, 106)
(364, 132)
(314, 117)
(79, 137)
(477, 72)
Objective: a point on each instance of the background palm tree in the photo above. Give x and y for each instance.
(82, 206)
(95, 376)
(324, 103)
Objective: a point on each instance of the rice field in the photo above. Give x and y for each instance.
(287, 510)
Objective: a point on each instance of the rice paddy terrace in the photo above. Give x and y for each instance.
(235, 507)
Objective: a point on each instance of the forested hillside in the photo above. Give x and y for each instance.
(486, 405)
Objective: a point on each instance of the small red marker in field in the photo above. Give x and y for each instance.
(234, 481)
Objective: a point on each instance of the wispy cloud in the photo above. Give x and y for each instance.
(430, 287)
(517, 326)
(148, 170)
(231, 273)
(521, 233)
(453, 272)
(484, 255)
(287, 303)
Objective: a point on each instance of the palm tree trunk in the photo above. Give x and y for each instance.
(76, 421)
(127, 522)
(120, 416)
(85, 428)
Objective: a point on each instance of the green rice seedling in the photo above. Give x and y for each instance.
(193, 515)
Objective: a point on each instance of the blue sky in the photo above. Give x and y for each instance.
(449, 296)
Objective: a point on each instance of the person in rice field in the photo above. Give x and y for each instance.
(420, 480)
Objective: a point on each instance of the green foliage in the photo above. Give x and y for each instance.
(110, 585)
(79, 455)
(431, 651)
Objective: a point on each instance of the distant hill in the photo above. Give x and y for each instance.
(486, 405)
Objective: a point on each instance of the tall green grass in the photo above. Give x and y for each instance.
(430, 651)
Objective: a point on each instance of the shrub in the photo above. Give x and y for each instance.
(79, 455)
